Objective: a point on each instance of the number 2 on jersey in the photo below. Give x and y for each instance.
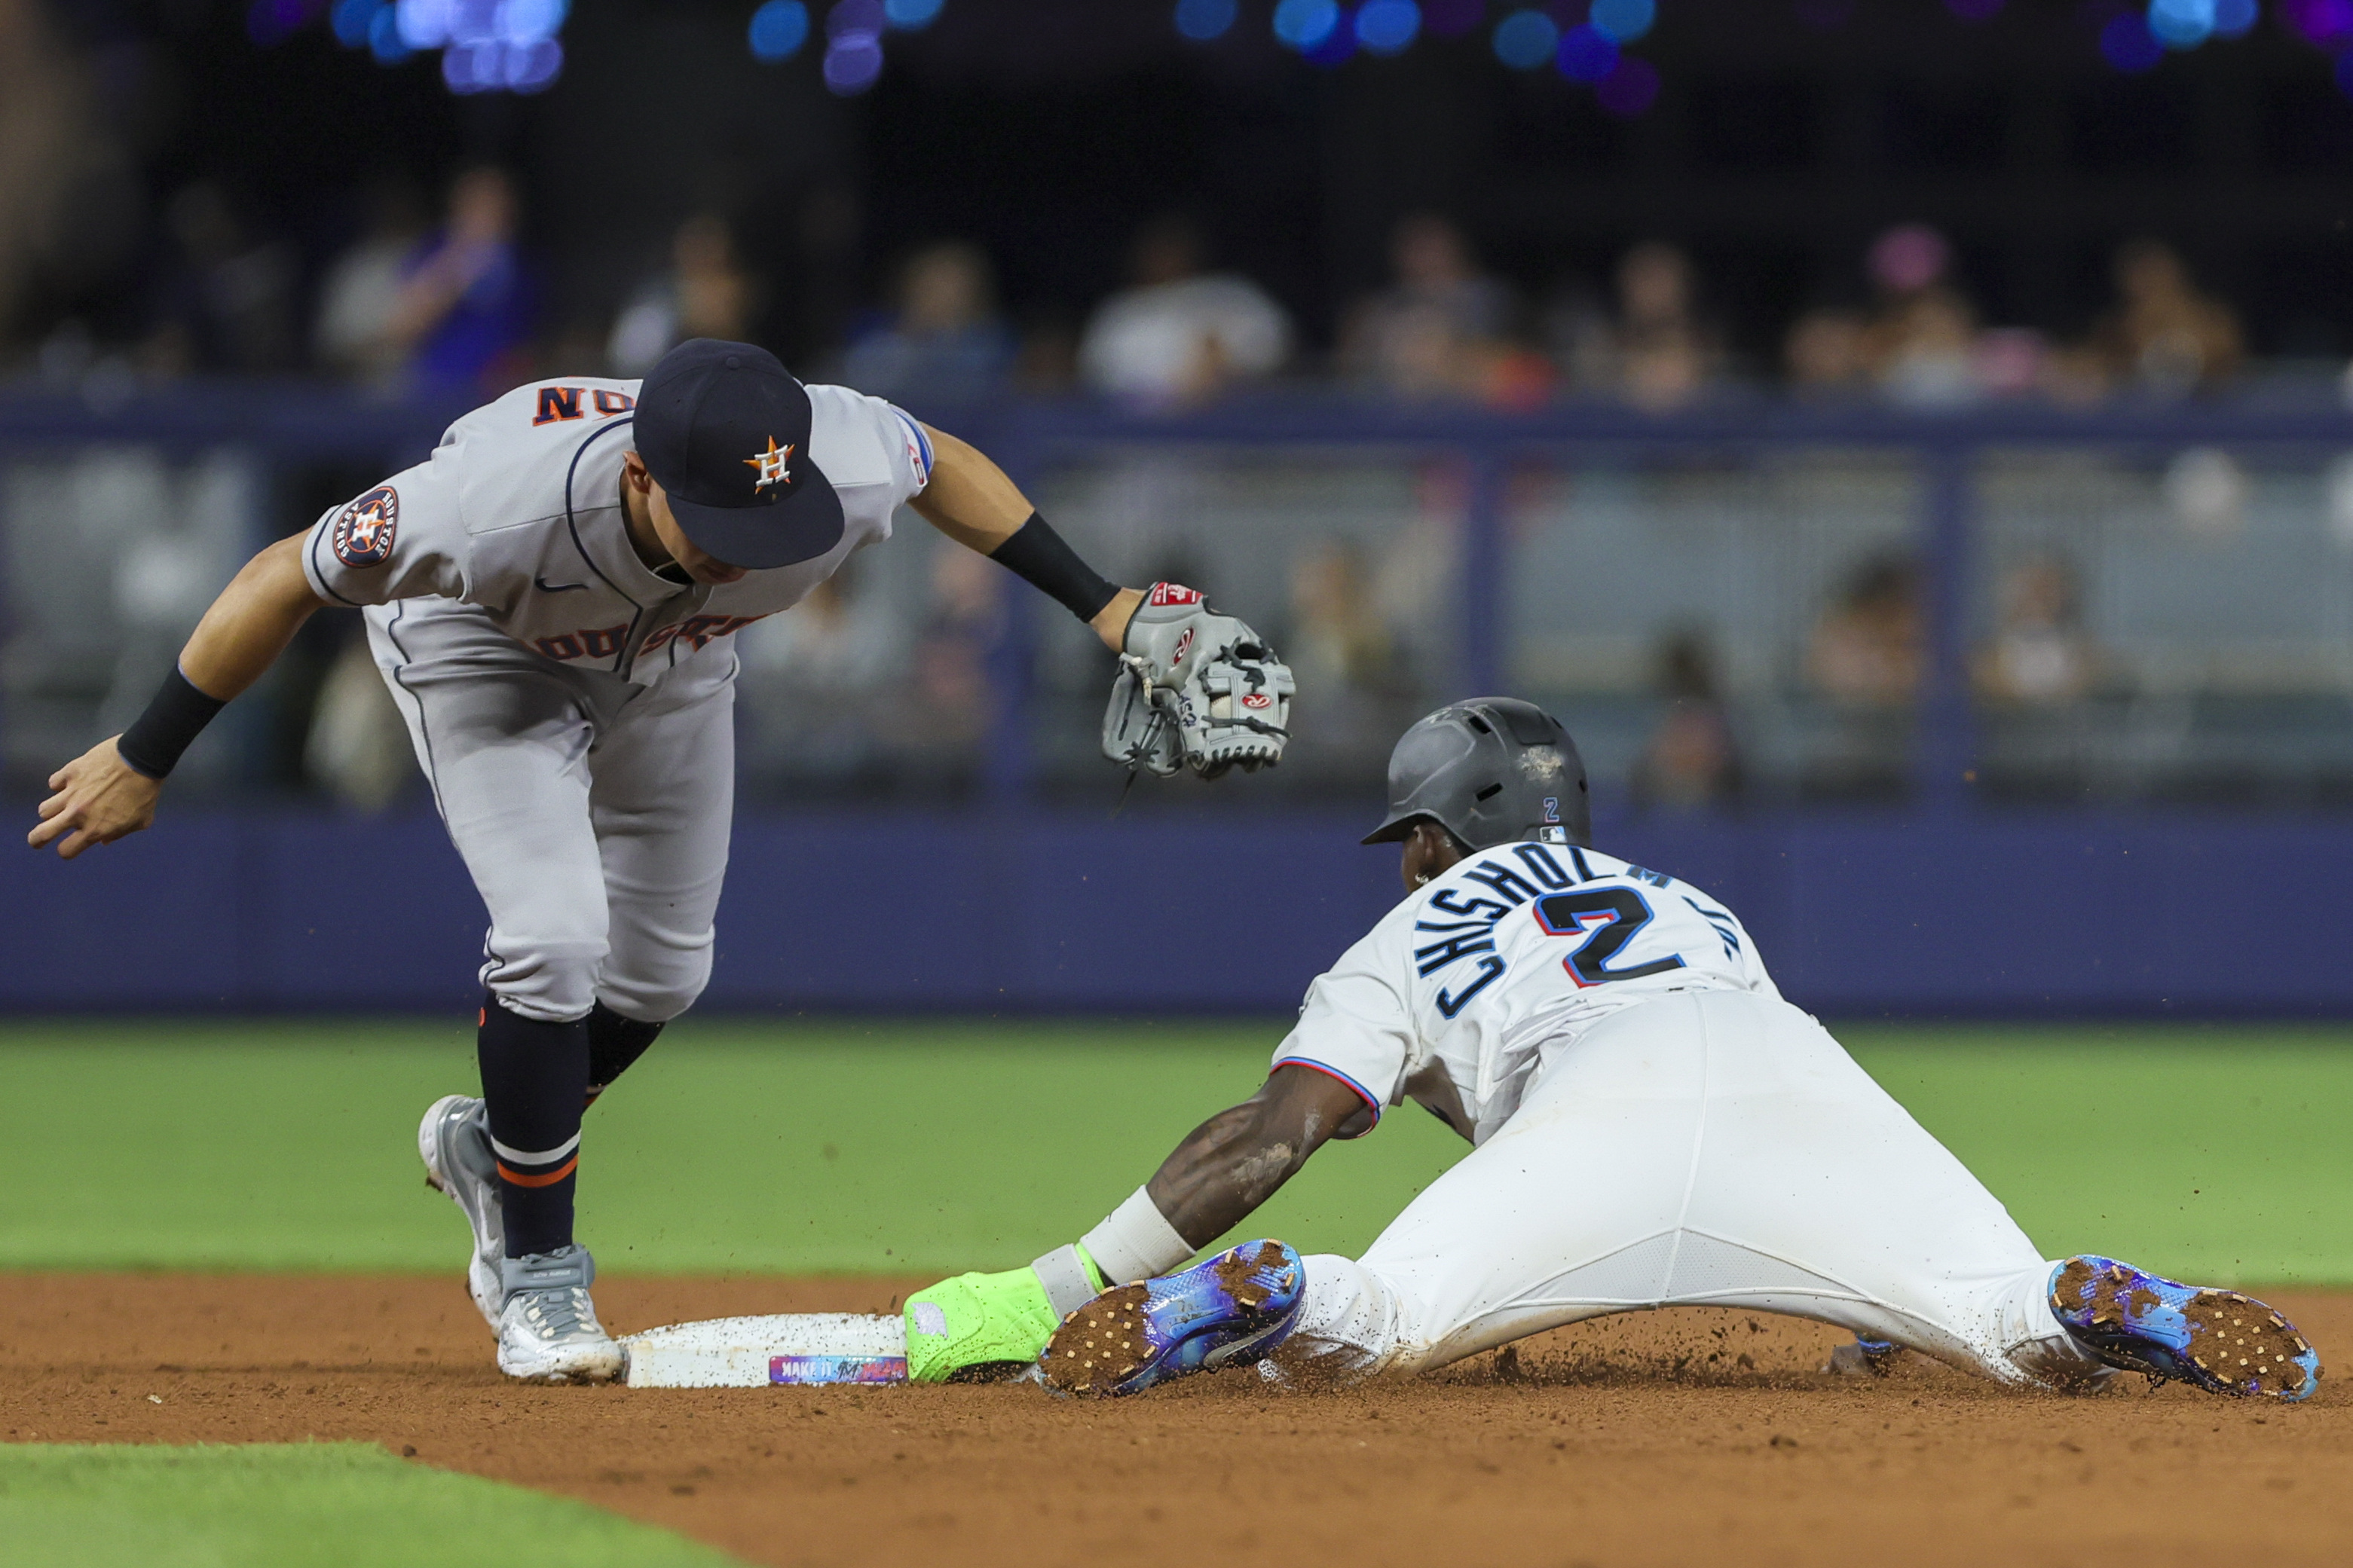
(1621, 913)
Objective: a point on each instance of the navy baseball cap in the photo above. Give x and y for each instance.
(725, 433)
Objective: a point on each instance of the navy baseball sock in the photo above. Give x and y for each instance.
(614, 1042)
(535, 1080)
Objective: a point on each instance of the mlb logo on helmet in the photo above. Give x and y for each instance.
(363, 531)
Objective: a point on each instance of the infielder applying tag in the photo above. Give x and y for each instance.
(552, 597)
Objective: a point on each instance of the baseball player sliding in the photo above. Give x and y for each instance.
(1652, 1126)
(552, 597)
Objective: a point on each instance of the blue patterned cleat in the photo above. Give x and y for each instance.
(1230, 1310)
(2222, 1341)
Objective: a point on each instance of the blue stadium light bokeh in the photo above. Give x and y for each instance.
(1202, 20)
(2127, 44)
(424, 24)
(861, 19)
(487, 46)
(1526, 40)
(2325, 22)
(1303, 24)
(1336, 47)
(1388, 26)
(778, 30)
(853, 51)
(853, 64)
(352, 20)
(912, 16)
(1629, 90)
(2345, 73)
(2181, 23)
(2234, 18)
(1586, 54)
(384, 39)
(1622, 21)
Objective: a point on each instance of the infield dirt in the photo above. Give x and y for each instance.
(1680, 1437)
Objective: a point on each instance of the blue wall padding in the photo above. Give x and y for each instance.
(1997, 916)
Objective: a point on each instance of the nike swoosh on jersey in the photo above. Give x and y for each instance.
(545, 587)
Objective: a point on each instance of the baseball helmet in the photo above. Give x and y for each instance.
(1491, 770)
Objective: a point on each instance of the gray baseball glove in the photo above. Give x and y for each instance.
(1196, 689)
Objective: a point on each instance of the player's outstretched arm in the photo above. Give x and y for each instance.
(1239, 1158)
(1225, 1168)
(1228, 704)
(977, 503)
(110, 791)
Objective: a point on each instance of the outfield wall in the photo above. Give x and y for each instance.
(2009, 916)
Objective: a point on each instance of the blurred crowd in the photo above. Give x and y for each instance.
(866, 692)
(445, 295)
(890, 684)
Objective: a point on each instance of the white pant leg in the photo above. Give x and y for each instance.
(1708, 1148)
(662, 801)
(504, 741)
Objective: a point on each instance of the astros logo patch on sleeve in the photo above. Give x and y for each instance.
(363, 530)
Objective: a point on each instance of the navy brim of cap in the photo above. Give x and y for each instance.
(801, 527)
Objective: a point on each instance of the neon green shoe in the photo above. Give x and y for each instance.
(987, 1320)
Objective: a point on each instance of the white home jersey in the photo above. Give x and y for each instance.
(1466, 988)
(515, 523)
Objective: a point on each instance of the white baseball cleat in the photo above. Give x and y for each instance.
(454, 1141)
(548, 1330)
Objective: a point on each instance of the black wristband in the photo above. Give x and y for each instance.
(177, 716)
(1037, 552)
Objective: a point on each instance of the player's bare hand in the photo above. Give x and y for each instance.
(100, 798)
(1111, 622)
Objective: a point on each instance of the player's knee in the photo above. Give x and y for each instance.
(655, 988)
(553, 981)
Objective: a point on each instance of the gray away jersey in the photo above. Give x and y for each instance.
(1463, 990)
(516, 521)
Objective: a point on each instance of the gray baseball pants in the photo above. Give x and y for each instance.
(592, 813)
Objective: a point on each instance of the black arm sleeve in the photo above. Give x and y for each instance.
(1037, 552)
(177, 716)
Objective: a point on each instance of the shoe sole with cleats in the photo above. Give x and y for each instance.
(2220, 1340)
(1231, 1310)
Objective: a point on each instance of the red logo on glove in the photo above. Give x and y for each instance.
(1257, 699)
(1165, 594)
(1184, 647)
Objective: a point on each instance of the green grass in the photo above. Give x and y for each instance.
(294, 1505)
(919, 1148)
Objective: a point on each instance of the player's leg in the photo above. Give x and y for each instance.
(504, 745)
(661, 804)
(1913, 1249)
(1815, 1194)
(1595, 1159)
(1713, 1148)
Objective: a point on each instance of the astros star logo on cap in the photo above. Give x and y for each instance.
(771, 464)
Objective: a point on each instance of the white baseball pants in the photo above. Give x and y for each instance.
(1710, 1148)
(594, 814)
